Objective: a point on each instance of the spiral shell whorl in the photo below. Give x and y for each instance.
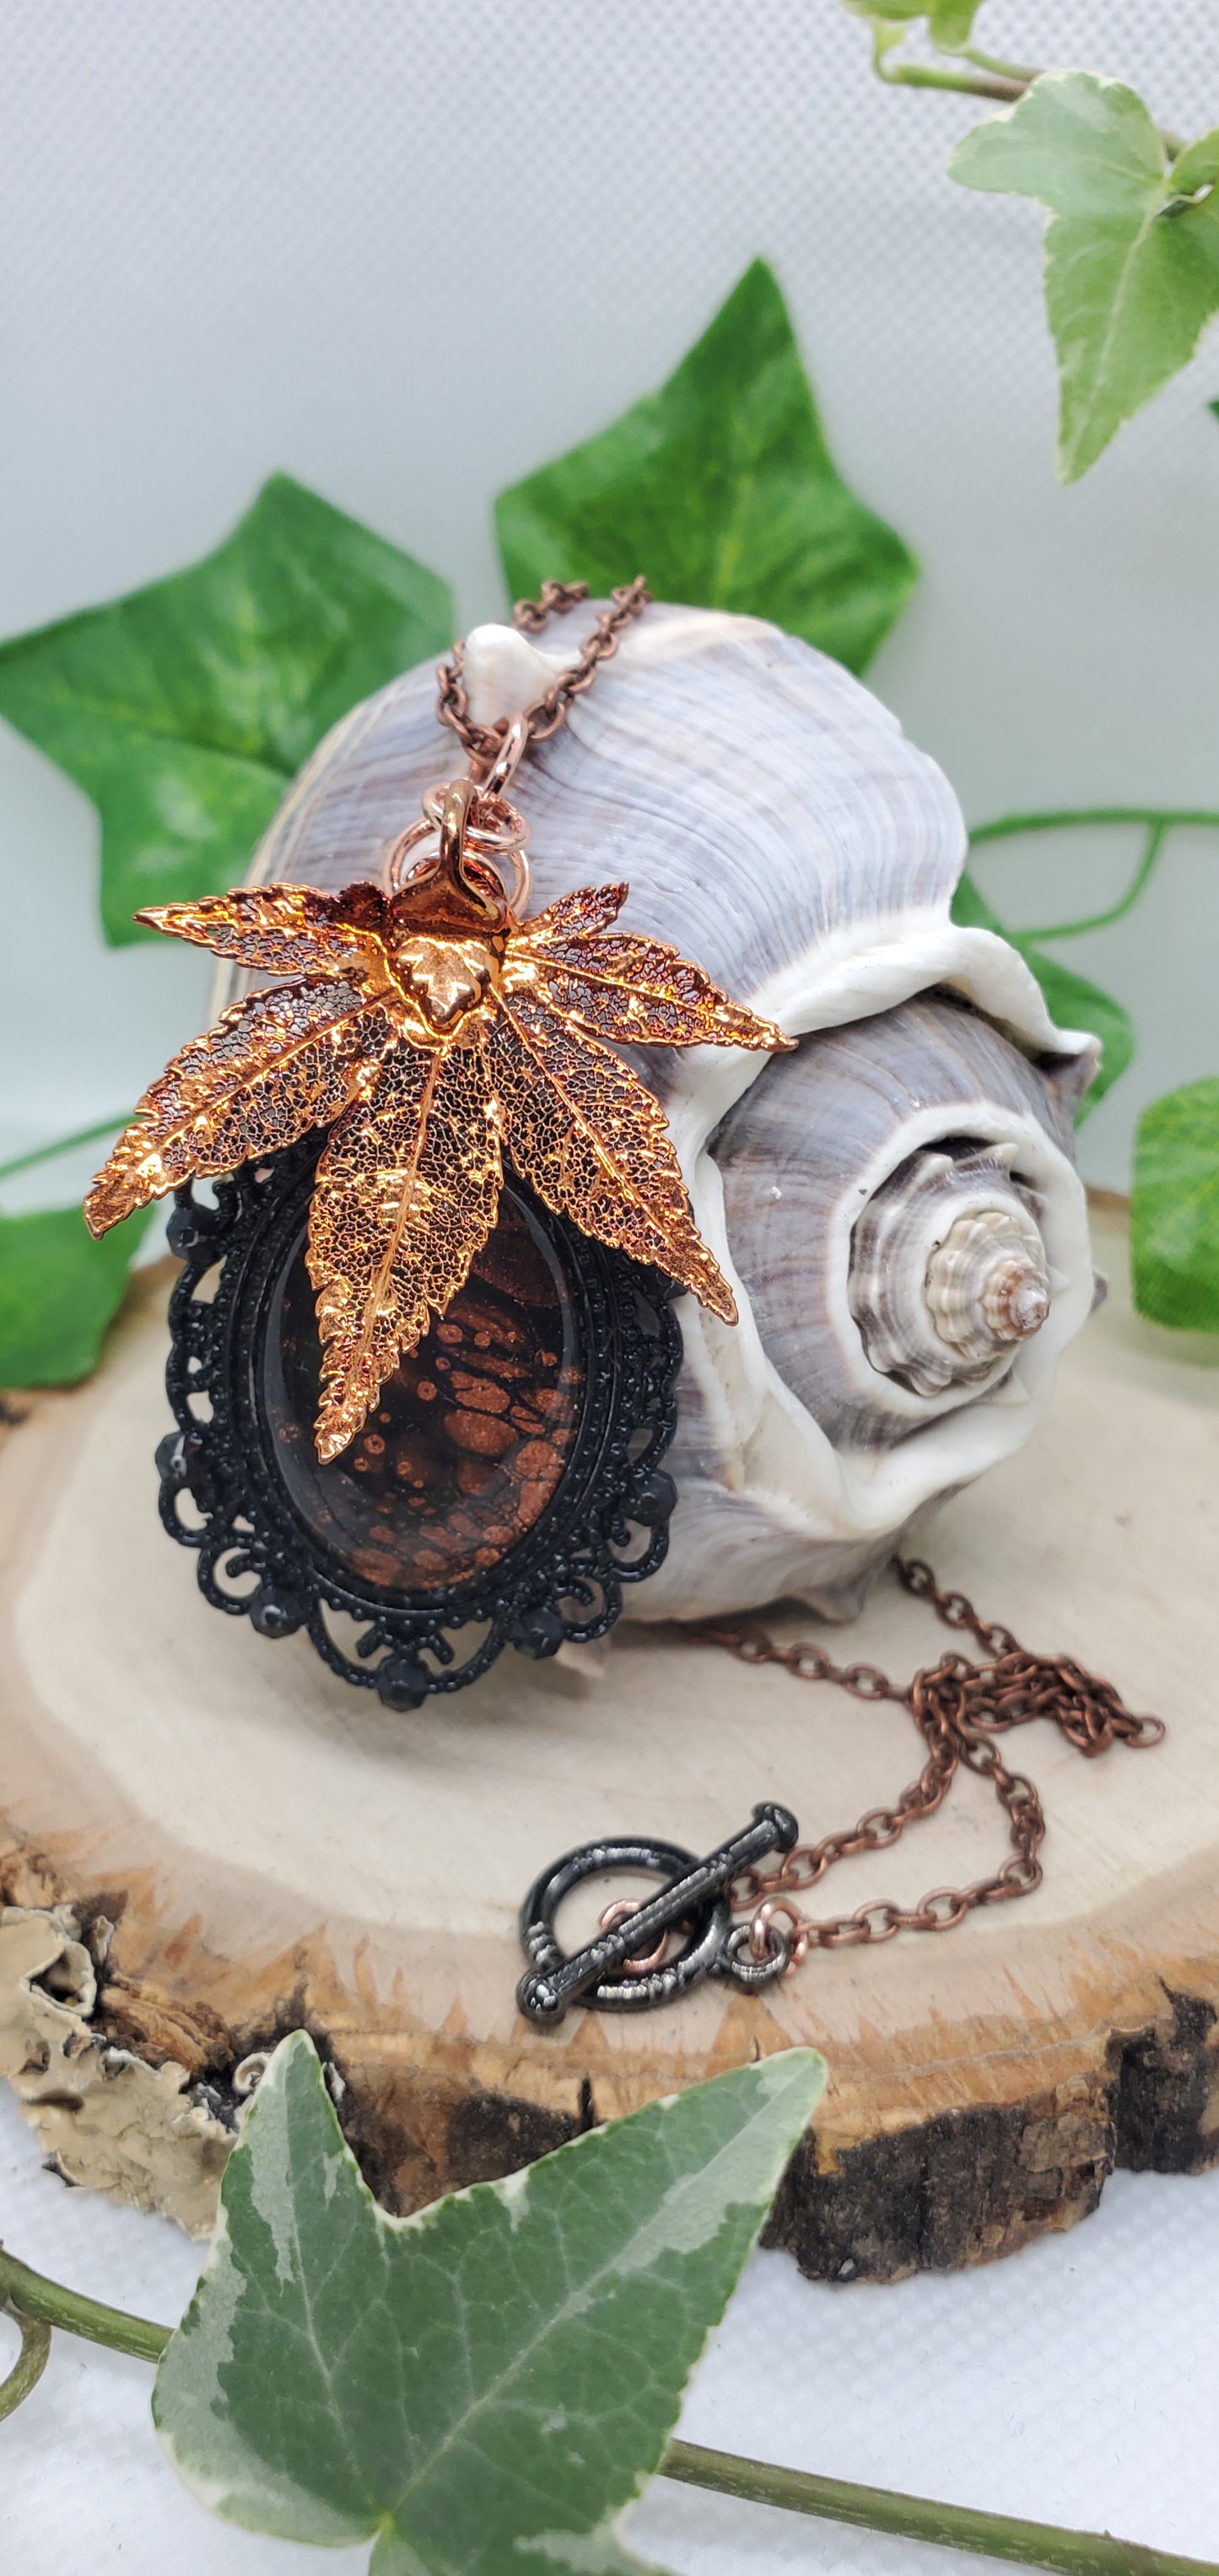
(852, 1174)
(948, 1272)
(987, 1282)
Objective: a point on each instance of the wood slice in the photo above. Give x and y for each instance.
(273, 1848)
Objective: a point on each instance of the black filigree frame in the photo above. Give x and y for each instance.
(606, 1525)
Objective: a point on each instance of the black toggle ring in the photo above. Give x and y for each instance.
(695, 1897)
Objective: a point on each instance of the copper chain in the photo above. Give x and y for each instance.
(959, 1709)
(547, 713)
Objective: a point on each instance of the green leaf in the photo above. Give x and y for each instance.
(485, 2386)
(1070, 999)
(950, 23)
(184, 710)
(1174, 1209)
(722, 490)
(1131, 267)
(58, 1291)
(1197, 166)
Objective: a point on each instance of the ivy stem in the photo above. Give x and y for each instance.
(1006, 82)
(30, 2363)
(1200, 818)
(1021, 72)
(952, 2526)
(1158, 822)
(63, 1145)
(938, 76)
(40, 2304)
(1124, 904)
(51, 2305)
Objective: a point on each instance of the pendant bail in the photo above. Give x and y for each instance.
(472, 817)
(454, 816)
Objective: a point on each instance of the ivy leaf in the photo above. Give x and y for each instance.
(1069, 998)
(1174, 1209)
(485, 2386)
(58, 1292)
(950, 23)
(185, 709)
(722, 490)
(1131, 264)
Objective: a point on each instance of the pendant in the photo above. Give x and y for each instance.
(423, 1404)
(505, 1486)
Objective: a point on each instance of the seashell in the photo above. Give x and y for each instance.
(895, 1202)
(848, 1177)
(986, 1287)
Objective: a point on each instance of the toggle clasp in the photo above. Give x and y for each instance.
(694, 1898)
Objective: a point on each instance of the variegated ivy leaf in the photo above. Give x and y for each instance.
(949, 22)
(1131, 248)
(482, 2388)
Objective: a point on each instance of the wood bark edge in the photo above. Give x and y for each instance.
(131, 2092)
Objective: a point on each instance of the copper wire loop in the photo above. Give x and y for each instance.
(638, 1964)
(507, 761)
(959, 1708)
(488, 828)
(792, 1929)
(491, 830)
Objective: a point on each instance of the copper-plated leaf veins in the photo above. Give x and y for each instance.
(432, 1033)
(580, 1126)
(287, 930)
(635, 991)
(272, 1067)
(406, 1195)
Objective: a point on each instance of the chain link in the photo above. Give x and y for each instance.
(547, 713)
(959, 1709)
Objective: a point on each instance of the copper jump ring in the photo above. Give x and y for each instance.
(508, 758)
(470, 815)
(454, 816)
(763, 1942)
(620, 1912)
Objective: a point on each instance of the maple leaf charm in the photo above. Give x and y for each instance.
(433, 1034)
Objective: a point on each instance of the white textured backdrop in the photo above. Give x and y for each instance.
(1074, 2383)
(240, 234)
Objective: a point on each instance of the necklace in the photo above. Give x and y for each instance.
(741, 1922)
(425, 1136)
(429, 1096)
(754, 1927)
